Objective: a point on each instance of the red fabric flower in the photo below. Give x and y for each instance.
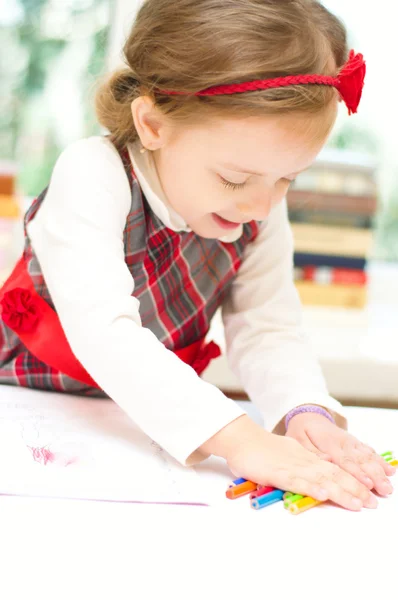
(351, 80)
(205, 355)
(20, 311)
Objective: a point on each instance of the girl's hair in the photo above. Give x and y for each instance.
(190, 45)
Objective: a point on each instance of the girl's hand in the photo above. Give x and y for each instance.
(320, 436)
(282, 462)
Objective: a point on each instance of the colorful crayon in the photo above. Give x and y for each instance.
(385, 455)
(260, 491)
(390, 458)
(287, 495)
(241, 489)
(302, 505)
(267, 499)
(291, 499)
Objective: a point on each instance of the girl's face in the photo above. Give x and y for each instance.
(235, 170)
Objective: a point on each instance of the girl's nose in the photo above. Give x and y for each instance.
(258, 209)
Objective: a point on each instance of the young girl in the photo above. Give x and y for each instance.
(143, 234)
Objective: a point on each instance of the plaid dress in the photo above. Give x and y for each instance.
(180, 281)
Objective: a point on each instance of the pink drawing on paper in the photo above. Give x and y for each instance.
(44, 456)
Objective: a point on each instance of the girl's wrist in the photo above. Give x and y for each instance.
(226, 441)
(307, 408)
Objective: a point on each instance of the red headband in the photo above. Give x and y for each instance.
(349, 83)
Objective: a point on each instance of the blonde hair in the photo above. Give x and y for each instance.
(190, 45)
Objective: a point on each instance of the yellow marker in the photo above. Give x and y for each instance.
(304, 504)
(393, 462)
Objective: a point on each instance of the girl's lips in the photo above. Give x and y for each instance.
(224, 223)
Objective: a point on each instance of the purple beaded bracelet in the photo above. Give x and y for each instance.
(307, 408)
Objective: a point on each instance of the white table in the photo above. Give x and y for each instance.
(55, 549)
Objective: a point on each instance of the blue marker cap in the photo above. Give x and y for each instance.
(267, 499)
(237, 482)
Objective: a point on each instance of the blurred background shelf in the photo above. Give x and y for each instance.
(357, 349)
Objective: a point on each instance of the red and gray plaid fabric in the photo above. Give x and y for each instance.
(180, 281)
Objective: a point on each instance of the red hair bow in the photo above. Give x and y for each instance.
(350, 81)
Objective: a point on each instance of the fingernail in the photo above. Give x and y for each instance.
(356, 504)
(371, 502)
(367, 481)
(386, 487)
(322, 494)
(391, 470)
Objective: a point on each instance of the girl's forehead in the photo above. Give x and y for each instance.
(262, 145)
(286, 127)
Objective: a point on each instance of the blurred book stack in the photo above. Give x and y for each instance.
(331, 210)
(10, 217)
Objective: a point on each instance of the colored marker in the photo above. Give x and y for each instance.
(385, 455)
(291, 499)
(393, 462)
(288, 494)
(242, 489)
(267, 499)
(302, 505)
(238, 481)
(261, 491)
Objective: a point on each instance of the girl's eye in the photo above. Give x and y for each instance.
(232, 186)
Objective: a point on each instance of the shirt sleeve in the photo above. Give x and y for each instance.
(265, 344)
(77, 236)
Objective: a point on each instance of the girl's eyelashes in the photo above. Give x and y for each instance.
(230, 185)
(238, 186)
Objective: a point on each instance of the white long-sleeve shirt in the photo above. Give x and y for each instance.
(77, 236)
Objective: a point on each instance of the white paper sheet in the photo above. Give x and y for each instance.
(68, 447)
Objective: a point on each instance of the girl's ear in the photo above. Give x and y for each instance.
(149, 123)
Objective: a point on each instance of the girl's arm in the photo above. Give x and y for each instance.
(262, 318)
(77, 236)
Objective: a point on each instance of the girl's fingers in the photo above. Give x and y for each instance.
(372, 465)
(344, 489)
(350, 466)
(348, 483)
(367, 454)
(325, 481)
(327, 490)
(342, 498)
(388, 469)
